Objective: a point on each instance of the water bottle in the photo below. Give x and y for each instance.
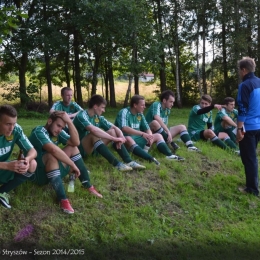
(71, 186)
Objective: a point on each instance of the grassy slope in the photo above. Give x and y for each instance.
(187, 210)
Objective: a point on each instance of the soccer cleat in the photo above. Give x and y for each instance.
(175, 157)
(123, 167)
(155, 161)
(66, 207)
(4, 200)
(135, 165)
(93, 191)
(193, 149)
(175, 147)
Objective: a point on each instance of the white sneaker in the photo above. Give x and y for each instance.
(175, 157)
(123, 167)
(193, 149)
(135, 165)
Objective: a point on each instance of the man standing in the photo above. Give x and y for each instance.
(226, 118)
(13, 173)
(67, 105)
(95, 133)
(200, 116)
(55, 163)
(248, 124)
(157, 118)
(137, 131)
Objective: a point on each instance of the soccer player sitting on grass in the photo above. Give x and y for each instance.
(95, 133)
(200, 116)
(13, 173)
(55, 163)
(157, 118)
(137, 131)
(67, 105)
(226, 119)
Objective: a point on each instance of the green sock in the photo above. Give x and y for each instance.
(123, 153)
(103, 150)
(12, 184)
(56, 182)
(231, 134)
(230, 143)
(215, 140)
(138, 151)
(185, 137)
(163, 133)
(84, 176)
(163, 148)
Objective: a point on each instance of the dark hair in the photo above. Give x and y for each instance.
(247, 63)
(8, 110)
(54, 116)
(135, 100)
(65, 89)
(207, 98)
(228, 100)
(96, 100)
(166, 94)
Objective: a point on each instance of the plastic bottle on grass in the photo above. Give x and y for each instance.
(71, 186)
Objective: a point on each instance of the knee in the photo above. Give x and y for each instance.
(183, 128)
(33, 165)
(154, 125)
(112, 132)
(157, 137)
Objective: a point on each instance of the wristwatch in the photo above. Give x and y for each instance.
(240, 128)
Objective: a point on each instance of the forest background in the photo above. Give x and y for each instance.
(191, 46)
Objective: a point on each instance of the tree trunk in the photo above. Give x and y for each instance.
(48, 77)
(22, 79)
(128, 92)
(66, 69)
(94, 76)
(77, 69)
(111, 85)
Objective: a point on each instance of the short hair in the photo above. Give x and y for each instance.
(8, 110)
(96, 100)
(228, 100)
(166, 94)
(62, 92)
(247, 63)
(135, 100)
(54, 116)
(207, 98)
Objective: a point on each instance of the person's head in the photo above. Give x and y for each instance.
(8, 119)
(245, 66)
(205, 101)
(137, 103)
(66, 94)
(229, 102)
(98, 104)
(167, 99)
(55, 124)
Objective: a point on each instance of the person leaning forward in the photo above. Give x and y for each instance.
(55, 163)
(13, 173)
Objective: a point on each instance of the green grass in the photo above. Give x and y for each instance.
(179, 210)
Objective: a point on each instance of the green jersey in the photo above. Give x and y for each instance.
(82, 120)
(72, 108)
(157, 109)
(7, 143)
(40, 136)
(126, 118)
(223, 112)
(197, 122)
